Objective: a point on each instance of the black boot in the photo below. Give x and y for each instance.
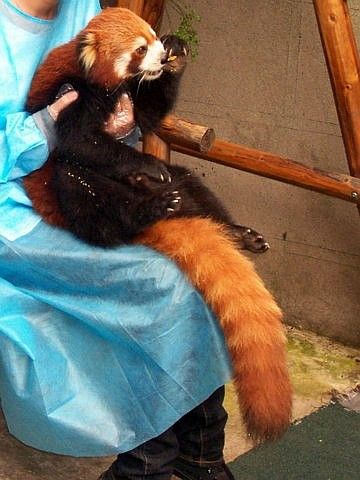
(190, 471)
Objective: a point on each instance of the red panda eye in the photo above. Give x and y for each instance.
(142, 50)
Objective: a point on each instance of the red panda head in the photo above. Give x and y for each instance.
(117, 45)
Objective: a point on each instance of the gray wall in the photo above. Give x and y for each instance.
(261, 80)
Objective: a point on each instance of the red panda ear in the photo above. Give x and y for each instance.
(87, 51)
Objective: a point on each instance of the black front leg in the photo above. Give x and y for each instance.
(154, 99)
(81, 140)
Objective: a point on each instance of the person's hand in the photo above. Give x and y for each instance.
(122, 121)
(64, 101)
(119, 123)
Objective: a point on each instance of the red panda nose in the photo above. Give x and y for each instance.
(164, 58)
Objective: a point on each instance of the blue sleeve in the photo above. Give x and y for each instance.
(25, 142)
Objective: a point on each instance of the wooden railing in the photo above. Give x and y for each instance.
(199, 141)
(342, 58)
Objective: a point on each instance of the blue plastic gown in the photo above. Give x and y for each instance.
(100, 349)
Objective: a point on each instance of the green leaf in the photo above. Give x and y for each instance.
(186, 29)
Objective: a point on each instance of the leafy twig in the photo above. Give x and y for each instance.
(186, 29)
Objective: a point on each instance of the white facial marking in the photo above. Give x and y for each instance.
(140, 42)
(152, 31)
(152, 61)
(121, 65)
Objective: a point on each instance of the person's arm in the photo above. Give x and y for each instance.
(26, 140)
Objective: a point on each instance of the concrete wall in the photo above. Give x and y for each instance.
(261, 80)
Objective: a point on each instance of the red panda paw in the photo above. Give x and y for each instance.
(148, 175)
(177, 52)
(248, 239)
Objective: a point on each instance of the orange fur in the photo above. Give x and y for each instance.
(60, 64)
(103, 46)
(100, 46)
(247, 312)
(44, 200)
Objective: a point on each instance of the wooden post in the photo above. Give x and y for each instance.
(153, 12)
(344, 69)
(149, 10)
(182, 132)
(279, 168)
(156, 146)
(179, 131)
(136, 6)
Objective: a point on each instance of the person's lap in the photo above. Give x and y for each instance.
(100, 349)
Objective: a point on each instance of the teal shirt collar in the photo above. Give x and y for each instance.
(24, 20)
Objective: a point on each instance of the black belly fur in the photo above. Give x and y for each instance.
(93, 172)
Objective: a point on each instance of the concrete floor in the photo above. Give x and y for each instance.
(319, 368)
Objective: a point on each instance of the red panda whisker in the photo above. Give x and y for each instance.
(141, 80)
(116, 89)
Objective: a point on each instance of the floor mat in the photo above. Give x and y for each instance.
(323, 446)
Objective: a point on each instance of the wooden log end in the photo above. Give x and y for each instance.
(177, 131)
(207, 140)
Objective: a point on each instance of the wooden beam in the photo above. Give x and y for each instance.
(279, 168)
(149, 10)
(108, 3)
(343, 63)
(136, 6)
(154, 145)
(187, 134)
(153, 12)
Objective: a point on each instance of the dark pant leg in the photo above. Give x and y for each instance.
(151, 460)
(201, 433)
(198, 438)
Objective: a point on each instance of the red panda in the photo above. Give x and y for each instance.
(118, 51)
